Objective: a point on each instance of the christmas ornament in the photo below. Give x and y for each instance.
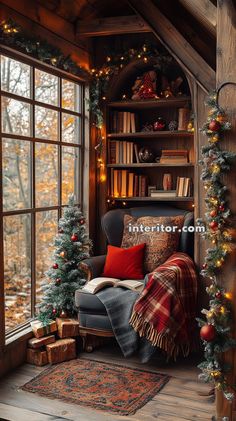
(145, 87)
(213, 225)
(173, 125)
(63, 254)
(82, 222)
(58, 281)
(159, 124)
(213, 213)
(63, 314)
(208, 333)
(218, 295)
(54, 311)
(221, 208)
(214, 126)
(145, 155)
(55, 266)
(74, 237)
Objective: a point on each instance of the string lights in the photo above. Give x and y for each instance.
(216, 329)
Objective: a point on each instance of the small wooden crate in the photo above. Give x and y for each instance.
(36, 357)
(40, 330)
(41, 342)
(67, 327)
(61, 350)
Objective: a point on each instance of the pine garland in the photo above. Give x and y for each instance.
(216, 330)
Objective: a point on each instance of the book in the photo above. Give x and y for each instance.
(131, 185)
(133, 125)
(97, 284)
(163, 194)
(136, 153)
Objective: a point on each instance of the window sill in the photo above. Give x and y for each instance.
(21, 334)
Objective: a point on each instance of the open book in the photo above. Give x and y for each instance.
(96, 284)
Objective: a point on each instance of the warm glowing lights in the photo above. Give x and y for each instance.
(102, 178)
(215, 168)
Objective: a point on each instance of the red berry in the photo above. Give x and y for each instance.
(213, 225)
(221, 208)
(214, 126)
(74, 237)
(208, 333)
(55, 266)
(218, 295)
(54, 311)
(58, 281)
(213, 213)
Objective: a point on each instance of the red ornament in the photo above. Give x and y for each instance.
(54, 311)
(74, 237)
(58, 281)
(221, 208)
(63, 314)
(55, 266)
(214, 126)
(204, 266)
(208, 333)
(82, 221)
(213, 213)
(213, 225)
(218, 295)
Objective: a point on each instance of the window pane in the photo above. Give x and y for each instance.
(71, 95)
(71, 128)
(46, 229)
(46, 87)
(15, 116)
(15, 77)
(16, 174)
(17, 272)
(70, 173)
(46, 123)
(46, 174)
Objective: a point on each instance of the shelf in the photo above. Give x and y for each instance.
(157, 134)
(152, 199)
(148, 104)
(148, 165)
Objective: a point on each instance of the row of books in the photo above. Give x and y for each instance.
(123, 152)
(184, 187)
(127, 184)
(124, 122)
(174, 156)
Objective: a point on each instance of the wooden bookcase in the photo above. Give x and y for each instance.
(149, 111)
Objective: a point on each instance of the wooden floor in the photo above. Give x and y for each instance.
(179, 400)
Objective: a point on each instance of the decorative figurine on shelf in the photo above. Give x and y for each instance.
(145, 87)
(159, 124)
(145, 155)
(147, 128)
(167, 181)
(173, 125)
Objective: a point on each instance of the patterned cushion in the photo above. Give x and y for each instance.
(159, 245)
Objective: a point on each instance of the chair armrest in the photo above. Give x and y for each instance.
(93, 266)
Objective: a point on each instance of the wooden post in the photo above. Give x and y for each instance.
(226, 64)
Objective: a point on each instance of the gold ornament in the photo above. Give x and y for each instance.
(62, 254)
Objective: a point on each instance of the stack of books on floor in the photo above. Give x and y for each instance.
(184, 187)
(127, 184)
(52, 343)
(174, 156)
(123, 122)
(123, 152)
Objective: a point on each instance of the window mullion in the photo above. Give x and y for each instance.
(33, 214)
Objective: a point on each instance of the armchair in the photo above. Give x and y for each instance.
(92, 314)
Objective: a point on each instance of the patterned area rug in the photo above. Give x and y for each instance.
(98, 385)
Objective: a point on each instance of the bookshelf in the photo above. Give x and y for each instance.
(148, 173)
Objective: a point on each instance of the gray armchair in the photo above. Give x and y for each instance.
(92, 314)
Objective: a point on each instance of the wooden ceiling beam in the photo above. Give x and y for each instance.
(175, 43)
(204, 11)
(111, 26)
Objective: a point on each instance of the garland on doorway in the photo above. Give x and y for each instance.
(216, 330)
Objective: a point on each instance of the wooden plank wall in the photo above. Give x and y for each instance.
(226, 64)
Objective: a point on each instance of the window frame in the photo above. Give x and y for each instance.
(61, 74)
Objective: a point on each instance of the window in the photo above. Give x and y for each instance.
(41, 133)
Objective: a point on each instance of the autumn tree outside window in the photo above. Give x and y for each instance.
(42, 123)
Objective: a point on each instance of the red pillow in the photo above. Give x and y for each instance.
(124, 263)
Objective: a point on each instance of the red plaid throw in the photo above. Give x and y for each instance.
(166, 309)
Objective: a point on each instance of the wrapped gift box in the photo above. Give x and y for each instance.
(67, 327)
(41, 342)
(40, 330)
(36, 357)
(61, 350)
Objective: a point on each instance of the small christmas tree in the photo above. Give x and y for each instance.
(72, 245)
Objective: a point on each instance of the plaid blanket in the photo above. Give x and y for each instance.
(165, 311)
